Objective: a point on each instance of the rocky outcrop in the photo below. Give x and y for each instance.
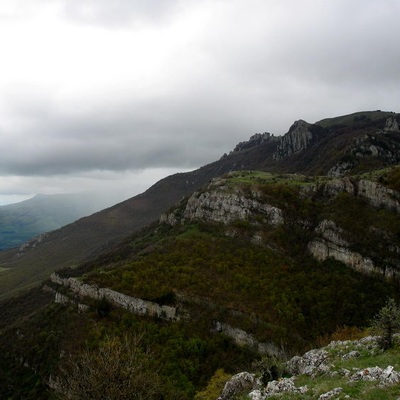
(330, 239)
(331, 394)
(143, 307)
(238, 384)
(341, 168)
(297, 139)
(284, 385)
(335, 186)
(30, 244)
(378, 195)
(132, 304)
(371, 146)
(387, 376)
(331, 243)
(225, 206)
(391, 125)
(312, 363)
(242, 338)
(317, 362)
(256, 140)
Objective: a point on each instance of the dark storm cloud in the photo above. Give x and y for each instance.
(175, 84)
(137, 135)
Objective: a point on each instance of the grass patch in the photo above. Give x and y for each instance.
(254, 177)
(369, 356)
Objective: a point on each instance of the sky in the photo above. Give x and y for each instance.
(113, 95)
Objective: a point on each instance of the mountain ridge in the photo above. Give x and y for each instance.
(243, 264)
(353, 143)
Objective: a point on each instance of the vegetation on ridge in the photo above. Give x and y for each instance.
(250, 274)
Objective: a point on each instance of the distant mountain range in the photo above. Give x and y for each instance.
(349, 144)
(20, 222)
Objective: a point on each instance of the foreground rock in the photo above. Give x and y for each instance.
(317, 362)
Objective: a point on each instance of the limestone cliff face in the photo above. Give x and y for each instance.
(297, 139)
(135, 305)
(225, 204)
(330, 239)
(225, 207)
(331, 244)
(377, 195)
(221, 204)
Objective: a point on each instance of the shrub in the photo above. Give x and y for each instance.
(386, 322)
(271, 368)
(118, 369)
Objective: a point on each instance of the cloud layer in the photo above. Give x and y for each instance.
(111, 89)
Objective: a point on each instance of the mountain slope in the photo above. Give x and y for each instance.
(22, 221)
(336, 146)
(226, 275)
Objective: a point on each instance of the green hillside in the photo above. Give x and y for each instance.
(251, 274)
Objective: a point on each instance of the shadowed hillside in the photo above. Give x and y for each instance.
(356, 143)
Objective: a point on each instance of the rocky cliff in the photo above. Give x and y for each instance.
(254, 141)
(132, 304)
(330, 243)
(382, 145)
(297, 139)
(225, 203)
(220, 203)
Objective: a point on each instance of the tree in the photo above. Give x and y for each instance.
(120, 369)
(386, 322)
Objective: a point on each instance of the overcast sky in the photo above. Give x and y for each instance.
(114, 95)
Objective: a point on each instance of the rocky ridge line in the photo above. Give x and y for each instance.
(297, 139)
(135, 305)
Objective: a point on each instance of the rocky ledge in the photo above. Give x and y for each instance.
(317, 363)
(224, 205)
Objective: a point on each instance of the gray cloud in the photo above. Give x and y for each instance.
(211, 74)
(119, 13)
